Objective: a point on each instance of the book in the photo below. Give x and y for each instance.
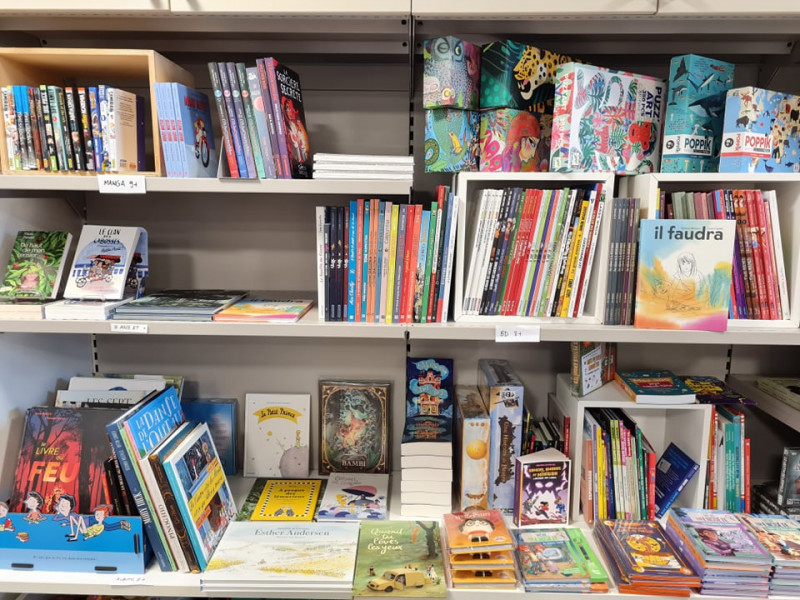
(196, 149)
(287, 500)
(174, 305)
(654, 387)
(72, 309)
(99, 398)
(429, 403)
(201, 491)
(250, 118)
(276, 435)
(265, 310)
(354, 427)
(674, 470)
(401, 558)
(515, 140)
(452, 140)
(789, 482)
(541, 489)
(36, 265)
(684, 274)
(220, 415)
(477, 531)
(785, 389)
(593, 365)
(451, 73)
(288, 105)
(259, 98)
(550, 561)
(472, 442)
(710, 390)
(354, 496)
(126, 131)
(224, 120)
(503, 579)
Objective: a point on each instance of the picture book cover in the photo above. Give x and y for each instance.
(104, 263)
(196, 134)
(515, 140)
(399, 558)
(718, 536)
(684, 274)
(593, 365)
(710, 390)
(477, 531)
(312, 554)
(452, 140)
(429, 400)
(694, 114)
(674, 469)
(452, 73)
(472, 440)
(779, 534)
(541, 489)
(201, 491)
(789, 482)
(36, 265)
(354, 426)
(61, 458)
(290, 101)
(606, 120)
(354, 496)
(760, 132)
(276, 435)
(220, 414)
(265, 310)
(518, 76)
(287, 500)
(654, 387)
(548, 556)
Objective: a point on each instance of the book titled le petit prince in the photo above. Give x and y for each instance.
(684, 274)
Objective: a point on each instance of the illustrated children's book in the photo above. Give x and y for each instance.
(673, 471)
(429, 400)
(220, 414)
(694, 112)
(606, 120)
(684, 274)
(110, 263)
(710, 390)
(780, 536)
(593, 365)
(353, 496)
(354, 426)
(399, 558)
(265, 310)
(789, 483)
(502, 579)
(36, 264)
(452, 140)
(515, 140)
(61, 456)
(547, 557)
(654, 387)
(201, 491)
(452, 74)
(196, 150)
(472, 440)
(761, 132)
(179, 305)
(477, 531)
(254, 556)
(276, 434)
(541, 489)
(287, 500)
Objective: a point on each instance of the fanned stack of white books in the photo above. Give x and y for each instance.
(274, 557)
(363, 166)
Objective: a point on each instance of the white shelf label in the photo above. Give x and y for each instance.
(128, 328)
(121, 580)
(121, 184)
(518, 333)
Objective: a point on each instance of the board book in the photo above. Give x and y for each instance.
(287, 500)
(541, 489)
(276, 435)
(36, 265)
(477, 531)
(354, 496)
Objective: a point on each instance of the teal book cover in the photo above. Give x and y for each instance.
(451, 140)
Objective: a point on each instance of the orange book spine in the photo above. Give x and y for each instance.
(758, 255)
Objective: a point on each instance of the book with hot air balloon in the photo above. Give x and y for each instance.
(354, 496)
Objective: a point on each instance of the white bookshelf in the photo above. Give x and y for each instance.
(746, 385)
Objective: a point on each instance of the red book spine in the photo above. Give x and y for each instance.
(758, 255)
(406, 263)
(747, 475)
(524, 252)
(765, 244)
(411, 268)
(773, 266)
(745, 251)
(523, 231)
(359, 253)
(566, 436)
(651, 486)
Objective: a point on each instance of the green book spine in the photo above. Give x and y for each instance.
(250, 117)
(429, 262)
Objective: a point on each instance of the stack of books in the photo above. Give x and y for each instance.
(722, 550)
(766, 499)
(178, 305)
(785, 389)
(558, 560)
(426, 450)
(479, 550)
(780, 536)
(363, 166)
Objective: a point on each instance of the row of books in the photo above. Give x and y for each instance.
(383, 262)
(623, 254)
(532, 251)
(51, 128)
(759, 288)
(260, 110)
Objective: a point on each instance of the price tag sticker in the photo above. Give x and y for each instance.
(121, 184)
(517, 333)
(128, 328)
(122, 580)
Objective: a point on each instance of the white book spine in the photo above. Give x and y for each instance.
(492, 225)
(562, 251)
(582, 252)
(476, 247)
(590, 261)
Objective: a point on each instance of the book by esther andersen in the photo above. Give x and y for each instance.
(674, 469)
(287, 500)
(684, 274)
(36, 264)
(354, 426)
(451, 76)
(654, 387)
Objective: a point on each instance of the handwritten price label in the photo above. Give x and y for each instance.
(513, 334)
(122, 580)
(121, 184)
(128, 328)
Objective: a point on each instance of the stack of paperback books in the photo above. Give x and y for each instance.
(96, 129)
(363, 166)
(780, 535)
(179, 305)
(558, 560)
(785, 389)
(479, 548)
(722, 550)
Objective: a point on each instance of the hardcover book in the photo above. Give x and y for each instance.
(694, 112)
(654, 387)
(452, 140)
(477, 531)
(606, 120)
(451, 76)
(429, 401)
(276, 435)
(541, 489)
(673, 471)
(220, 414)
(354, 496)
(684, 274)
(179, 305)
(287, 500)
(354, 426)
(761, 132)
(593, 365)
(36, 265)
(401, 558)
(789, 483)
(515, 140)
(780, 536)
(472, 441)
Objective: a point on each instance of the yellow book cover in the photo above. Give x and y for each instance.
(287, 500)
(572, 263)
(392, 262)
